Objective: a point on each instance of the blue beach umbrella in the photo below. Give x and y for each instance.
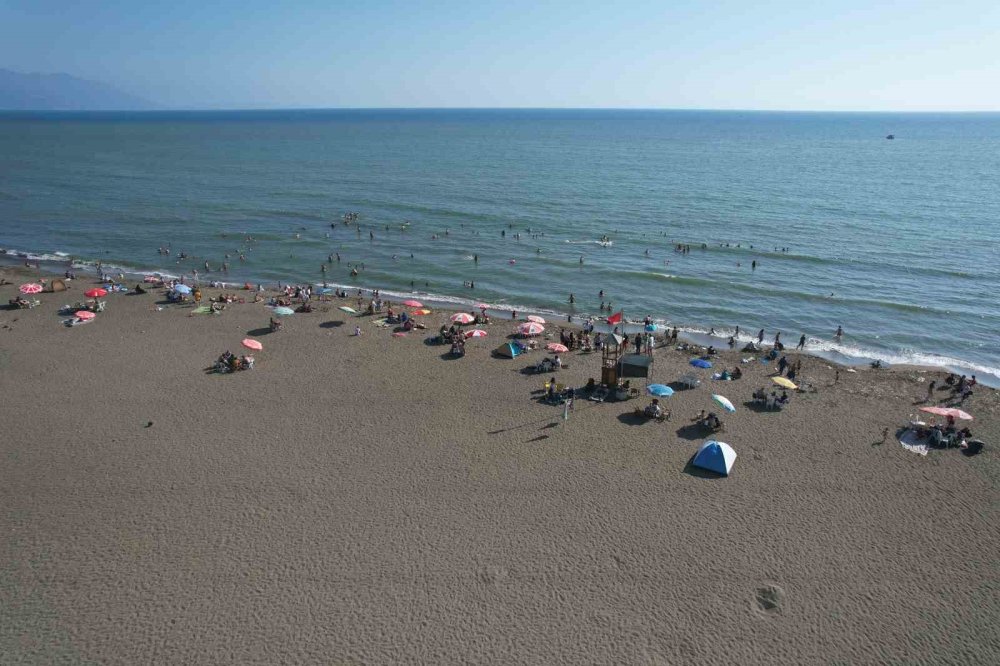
(659, 390)
(701, 363)
(651, 328)
(723, 402)
(182, 289)
(283, 312)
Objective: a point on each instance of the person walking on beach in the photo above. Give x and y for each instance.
(782, 364)
(930, 390)
(802, 342)
(760, 337)
(777, 338)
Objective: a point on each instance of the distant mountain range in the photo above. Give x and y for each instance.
(62, 92)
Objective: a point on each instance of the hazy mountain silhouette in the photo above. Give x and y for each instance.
(62, 92)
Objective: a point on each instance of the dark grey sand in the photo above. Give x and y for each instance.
(362, 500)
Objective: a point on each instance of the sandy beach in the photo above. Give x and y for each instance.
(367, 500)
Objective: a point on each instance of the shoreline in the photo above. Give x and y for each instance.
(56, 265)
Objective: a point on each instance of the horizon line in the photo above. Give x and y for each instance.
(234, 109)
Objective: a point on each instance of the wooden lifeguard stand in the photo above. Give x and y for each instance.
(611, 354)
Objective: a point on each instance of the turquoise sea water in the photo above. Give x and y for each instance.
(904, 233)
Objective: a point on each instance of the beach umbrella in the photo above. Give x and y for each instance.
(283, 311)
(348, 310)
(182, 289)
(701, 363)
(250, 343)
(31, 288)
(535, 318)
(659, 390)
(421, 311)
(84, 314)
(723, 401)
(716, 457)
(948, 411)
(531, 328)
(651, 328)
(784, 381)
(476, 333)
(95, 293)
(462, 318)
(413, 304)
(556, 347)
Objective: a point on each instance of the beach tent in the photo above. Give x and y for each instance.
(635, 365)
(56, 285)
(715, 456)
(508, 350)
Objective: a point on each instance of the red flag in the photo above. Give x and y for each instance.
(616, 318)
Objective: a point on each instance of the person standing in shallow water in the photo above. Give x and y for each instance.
(760, 337)
(802, 342)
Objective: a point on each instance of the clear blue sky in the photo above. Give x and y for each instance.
(769, 54)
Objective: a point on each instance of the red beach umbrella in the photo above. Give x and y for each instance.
(531, 328)
(536, 319)
(84, 314)
(250, 343)
(948, 411)
(413, 304)
(96, 293)
(476, 333)
(31, 288)
(556, 347)
(462, 318)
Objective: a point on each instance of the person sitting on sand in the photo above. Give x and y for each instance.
(653, 410)
(736, 373)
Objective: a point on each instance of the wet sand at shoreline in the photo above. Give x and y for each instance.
(365, 500)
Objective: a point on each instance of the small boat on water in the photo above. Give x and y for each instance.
(891, 137)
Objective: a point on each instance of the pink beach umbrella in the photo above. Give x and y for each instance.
(462, 318)
(250, 343)
(413, 304)
(84, 314)
(556, 347)
(535, 318)
(948, 411)
(476, 333)
(531, 328)
(96, 293)
(31, 288)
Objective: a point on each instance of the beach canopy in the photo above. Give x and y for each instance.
(56, 285)
(31, 288)
(531, 328)
(723, 401)
(556, 347)
(413, 304)
(182, 289)
(659, 390)
(536, 319)
(283, 311)
(476, 333)
(784, 381)
(948, 411)
(250, 343)
(701, 363)
(84, 314)
(347, 309)
(462, 318)
(715, 456)
(508, 350)
(95, 293)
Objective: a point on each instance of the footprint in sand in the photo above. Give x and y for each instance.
(770, 599)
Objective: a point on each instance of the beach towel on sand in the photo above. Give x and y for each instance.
(908, 438)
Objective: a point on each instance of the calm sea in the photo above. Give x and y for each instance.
(897, 241)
